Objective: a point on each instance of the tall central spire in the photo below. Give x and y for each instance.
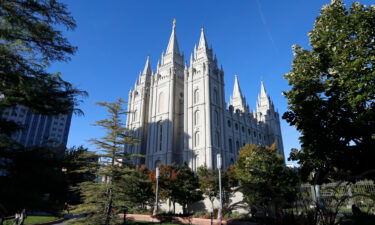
(173, 45)
(202, 40)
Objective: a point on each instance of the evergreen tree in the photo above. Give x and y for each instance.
(80, 165)
(103, 201)
(264, 179)
(29, 42)
(332, 100)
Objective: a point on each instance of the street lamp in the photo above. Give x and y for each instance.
(221, 200)
(157, 174)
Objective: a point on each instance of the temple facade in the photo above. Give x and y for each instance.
(179, 113)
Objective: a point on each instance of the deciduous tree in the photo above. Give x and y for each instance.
(332, 100)
(264, 179)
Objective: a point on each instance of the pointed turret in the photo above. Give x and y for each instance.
(173, 45)
(264, 101)
(147, 69)
(203, 51)
(202, 40)
(172, 55)
(237, 100)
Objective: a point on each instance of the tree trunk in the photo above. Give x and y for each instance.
(109, 208)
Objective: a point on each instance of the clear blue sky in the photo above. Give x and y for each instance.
(250, 37)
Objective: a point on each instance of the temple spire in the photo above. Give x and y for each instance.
(264, 101)
(237, 93)
(263, 92)
(202, 40)
(173, 45)
(237, 100)
(147, 69)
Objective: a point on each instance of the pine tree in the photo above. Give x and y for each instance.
(104, 200)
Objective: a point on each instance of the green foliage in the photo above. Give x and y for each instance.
(187, 191)
(29, 42)
(209, 183)
(80, 165)
(332, 100)
(264, 179)
(33, 180)
(102, 201)
(137, 189)
(179, 184)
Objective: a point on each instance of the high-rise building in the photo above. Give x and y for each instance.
(38, 130)
(179, 112)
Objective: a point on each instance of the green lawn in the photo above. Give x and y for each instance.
(34, 220)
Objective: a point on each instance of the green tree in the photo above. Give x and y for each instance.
(33, 180)
(167, 182)
(102, 202)
(137, 189)
(80, 165)
(29, 41)
(332, 100)
(264, 179)
(209, 183)
(186, 189)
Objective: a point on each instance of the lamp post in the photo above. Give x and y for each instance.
(157, 174)
(221, 200)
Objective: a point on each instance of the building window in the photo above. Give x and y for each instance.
(161, 102)
(216, 117)
(243, 129)
(229, 123)
(135, 115)
(236, 126)
(196, 139)
(160, 144)
(230, 145)
(196, 118)
(255, 134)
(215, 97)
(237, 145)
(217, 139)
(196, 96)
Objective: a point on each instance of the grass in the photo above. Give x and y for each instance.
(34, 220)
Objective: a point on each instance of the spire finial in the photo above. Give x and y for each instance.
(174, 23)
(172, 44)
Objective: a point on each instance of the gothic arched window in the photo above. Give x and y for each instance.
(135, 115)
(160, 141)
(196, 117)
(196, 139)
(161, 102)
(196, 96)
(230, 145)
(217, 139)
(216, 117)
(215, 96)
